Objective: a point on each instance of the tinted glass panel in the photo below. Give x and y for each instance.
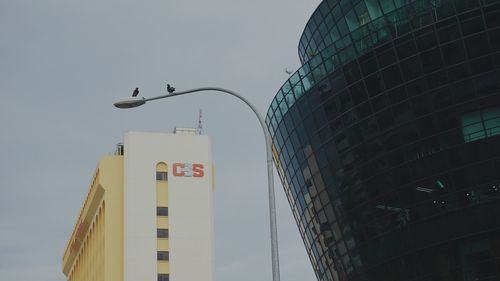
(161, 176)
(162, 233)
(163, 277)
(162, 255)
(391, 168)
(162, 211)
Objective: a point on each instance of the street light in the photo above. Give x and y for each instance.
(138, 101)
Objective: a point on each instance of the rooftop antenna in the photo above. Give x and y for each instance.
(199, 122)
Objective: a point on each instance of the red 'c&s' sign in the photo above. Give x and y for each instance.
(188, 170)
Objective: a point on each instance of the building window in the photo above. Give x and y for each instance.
(162, 255)
(162, 211)
(481, 124)
(162, 233)
(162, 277)
(161, 176)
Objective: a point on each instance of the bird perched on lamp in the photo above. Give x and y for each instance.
(136, 92)
(170, 89)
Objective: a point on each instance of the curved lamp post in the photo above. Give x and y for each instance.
(138, 101)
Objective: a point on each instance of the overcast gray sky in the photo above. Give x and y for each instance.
(62, 65)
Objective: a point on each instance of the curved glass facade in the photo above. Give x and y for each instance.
(387, 140)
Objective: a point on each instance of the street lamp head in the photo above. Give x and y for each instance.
(130, 102)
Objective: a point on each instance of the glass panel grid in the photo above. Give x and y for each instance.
(377, 28)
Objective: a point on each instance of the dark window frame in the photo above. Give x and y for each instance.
(162, 255)
(163, 277)
(162, 232)
(162, 211)
(161, 176)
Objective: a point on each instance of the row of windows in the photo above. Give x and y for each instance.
(310, 235)
(373, 157)
(331, 28)
(387, 157)
(418, 237)
(463, 253)
(450, 168)
(394, 148)
(342, 19)
(329, 59)
(162, 254)
(355, 97)
(475, 257)
(405, 46)
(474, 197)
(386, 214)
(396, 111)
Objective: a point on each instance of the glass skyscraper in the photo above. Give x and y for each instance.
(387, 140)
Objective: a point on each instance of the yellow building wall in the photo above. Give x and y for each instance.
(95, 248)
(161, 194)
(162, 244)
(163, 267)
(112, 180)
(162, 222)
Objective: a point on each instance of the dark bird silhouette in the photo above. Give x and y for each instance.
(170, 89)
(136, 92)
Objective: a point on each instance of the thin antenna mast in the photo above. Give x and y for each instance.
(199, 123)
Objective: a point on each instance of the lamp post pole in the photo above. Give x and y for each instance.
(134, 102)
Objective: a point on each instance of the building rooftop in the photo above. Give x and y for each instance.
(186, 131)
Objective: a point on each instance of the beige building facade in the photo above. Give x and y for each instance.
(148, 214)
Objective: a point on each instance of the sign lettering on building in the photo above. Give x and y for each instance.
(78, 237)
(188, 170)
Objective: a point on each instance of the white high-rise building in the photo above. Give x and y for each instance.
(148, 215)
